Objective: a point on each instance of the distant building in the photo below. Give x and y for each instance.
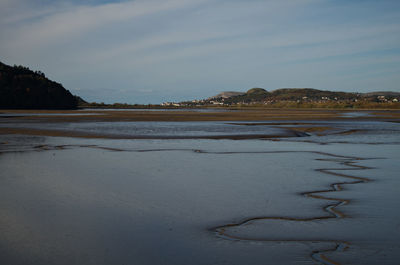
(382, 98)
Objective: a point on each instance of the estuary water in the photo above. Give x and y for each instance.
(329, 198)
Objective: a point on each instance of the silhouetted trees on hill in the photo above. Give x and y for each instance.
(22, 88)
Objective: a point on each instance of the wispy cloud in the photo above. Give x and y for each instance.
(72, 22)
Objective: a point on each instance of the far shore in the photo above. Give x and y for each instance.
(256, 114)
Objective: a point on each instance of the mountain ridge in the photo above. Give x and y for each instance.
(260, 94)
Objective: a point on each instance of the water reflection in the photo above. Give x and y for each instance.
(88, 201)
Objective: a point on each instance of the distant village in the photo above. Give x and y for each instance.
(259, 96)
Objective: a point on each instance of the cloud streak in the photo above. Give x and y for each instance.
(76, 21)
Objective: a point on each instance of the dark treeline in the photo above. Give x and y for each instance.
(22, 88)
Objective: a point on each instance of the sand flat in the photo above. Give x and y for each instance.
(190, 194)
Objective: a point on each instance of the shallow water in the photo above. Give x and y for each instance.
(87, 201)
(153, 129)
(357, 114)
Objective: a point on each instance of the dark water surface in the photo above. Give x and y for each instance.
(152, 129)
(188, 201)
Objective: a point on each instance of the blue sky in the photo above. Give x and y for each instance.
(150, 51)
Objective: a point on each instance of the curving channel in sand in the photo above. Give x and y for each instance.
(348, 163)
(330, 209)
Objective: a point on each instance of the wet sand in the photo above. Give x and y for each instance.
(326, 248)
(306, 121)
(187, 115)
(151, 174)
(330, 209)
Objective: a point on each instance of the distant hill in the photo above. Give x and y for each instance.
(22, 88)
(227, 94)
(259, 95)
(387, 94)
(257, 91)
(309, 93)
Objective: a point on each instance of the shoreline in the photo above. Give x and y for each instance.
(292, 123)
(188, 115)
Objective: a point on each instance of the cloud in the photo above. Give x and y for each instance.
(73, 22)
(14, 12)
(221, 33)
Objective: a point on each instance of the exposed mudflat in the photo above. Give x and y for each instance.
(301, 191)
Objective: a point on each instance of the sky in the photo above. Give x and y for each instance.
(152, 51)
